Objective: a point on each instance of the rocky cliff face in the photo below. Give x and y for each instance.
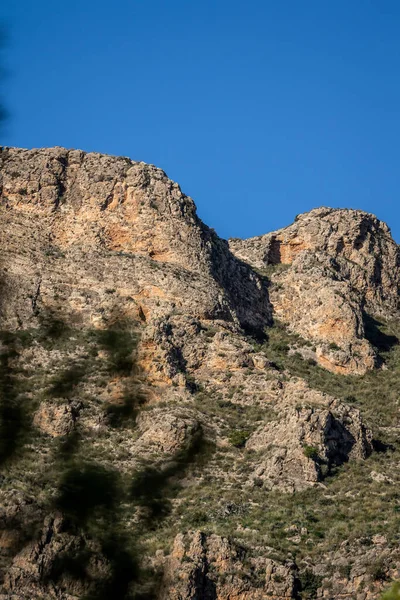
(343, 267)
(107, 223)
(165, 429)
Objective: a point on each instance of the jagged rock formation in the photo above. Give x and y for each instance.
(87, 224)
(295, 450)
(151, 445)
(41, 562)
(212, 567)
(341, 265)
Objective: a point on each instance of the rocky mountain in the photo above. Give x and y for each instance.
(343, 268)
(187, 418)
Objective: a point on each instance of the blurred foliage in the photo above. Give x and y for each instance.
(3, 112)
(393, 593)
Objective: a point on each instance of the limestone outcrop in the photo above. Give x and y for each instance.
(201, 566)
(338, 268)
(90, 230)
(299, 449)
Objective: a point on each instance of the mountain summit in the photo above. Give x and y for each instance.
(184, 417)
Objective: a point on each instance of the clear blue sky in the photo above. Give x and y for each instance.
(259, 109)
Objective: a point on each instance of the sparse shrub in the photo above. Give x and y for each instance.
(345, 571)
(198, 518)
(393, 593)
(334, 347)
(351, 399)
(239, 437)
(377, 571)
(310, 452)
(309, 583)
(279, 346)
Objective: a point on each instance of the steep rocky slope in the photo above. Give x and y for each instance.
(342, 267)
(182, 418)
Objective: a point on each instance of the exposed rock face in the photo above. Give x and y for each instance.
(56, 420)
(341, 264)
(296, 449)
(349, 236)
(42, 561)
(348, 582)
(92, 229)
(168, 432)
(323, 308)
(211, 567)
(147, 435)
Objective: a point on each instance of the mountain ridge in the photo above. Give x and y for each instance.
(199, 387)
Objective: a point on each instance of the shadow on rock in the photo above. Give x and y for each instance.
(382, 341)
(14, 422)
(152, 487)
(86, 488)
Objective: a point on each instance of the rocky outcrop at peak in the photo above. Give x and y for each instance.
(335, 267)
(81, 232)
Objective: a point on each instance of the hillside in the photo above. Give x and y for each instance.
(183, 417)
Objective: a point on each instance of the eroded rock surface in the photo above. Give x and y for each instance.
(340, 265)
(168, 431)
(41, 569)
(306, 442)
(211, 567)
(146, 434)
(89, 228)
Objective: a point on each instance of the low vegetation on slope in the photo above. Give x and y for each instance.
(119, 501)
(357, 503)
(124, 505)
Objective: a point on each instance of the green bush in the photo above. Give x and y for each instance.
(393, 593)
(377, 571)
(309, 583)
(239, 437)
(334, 347)
(310, 452)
